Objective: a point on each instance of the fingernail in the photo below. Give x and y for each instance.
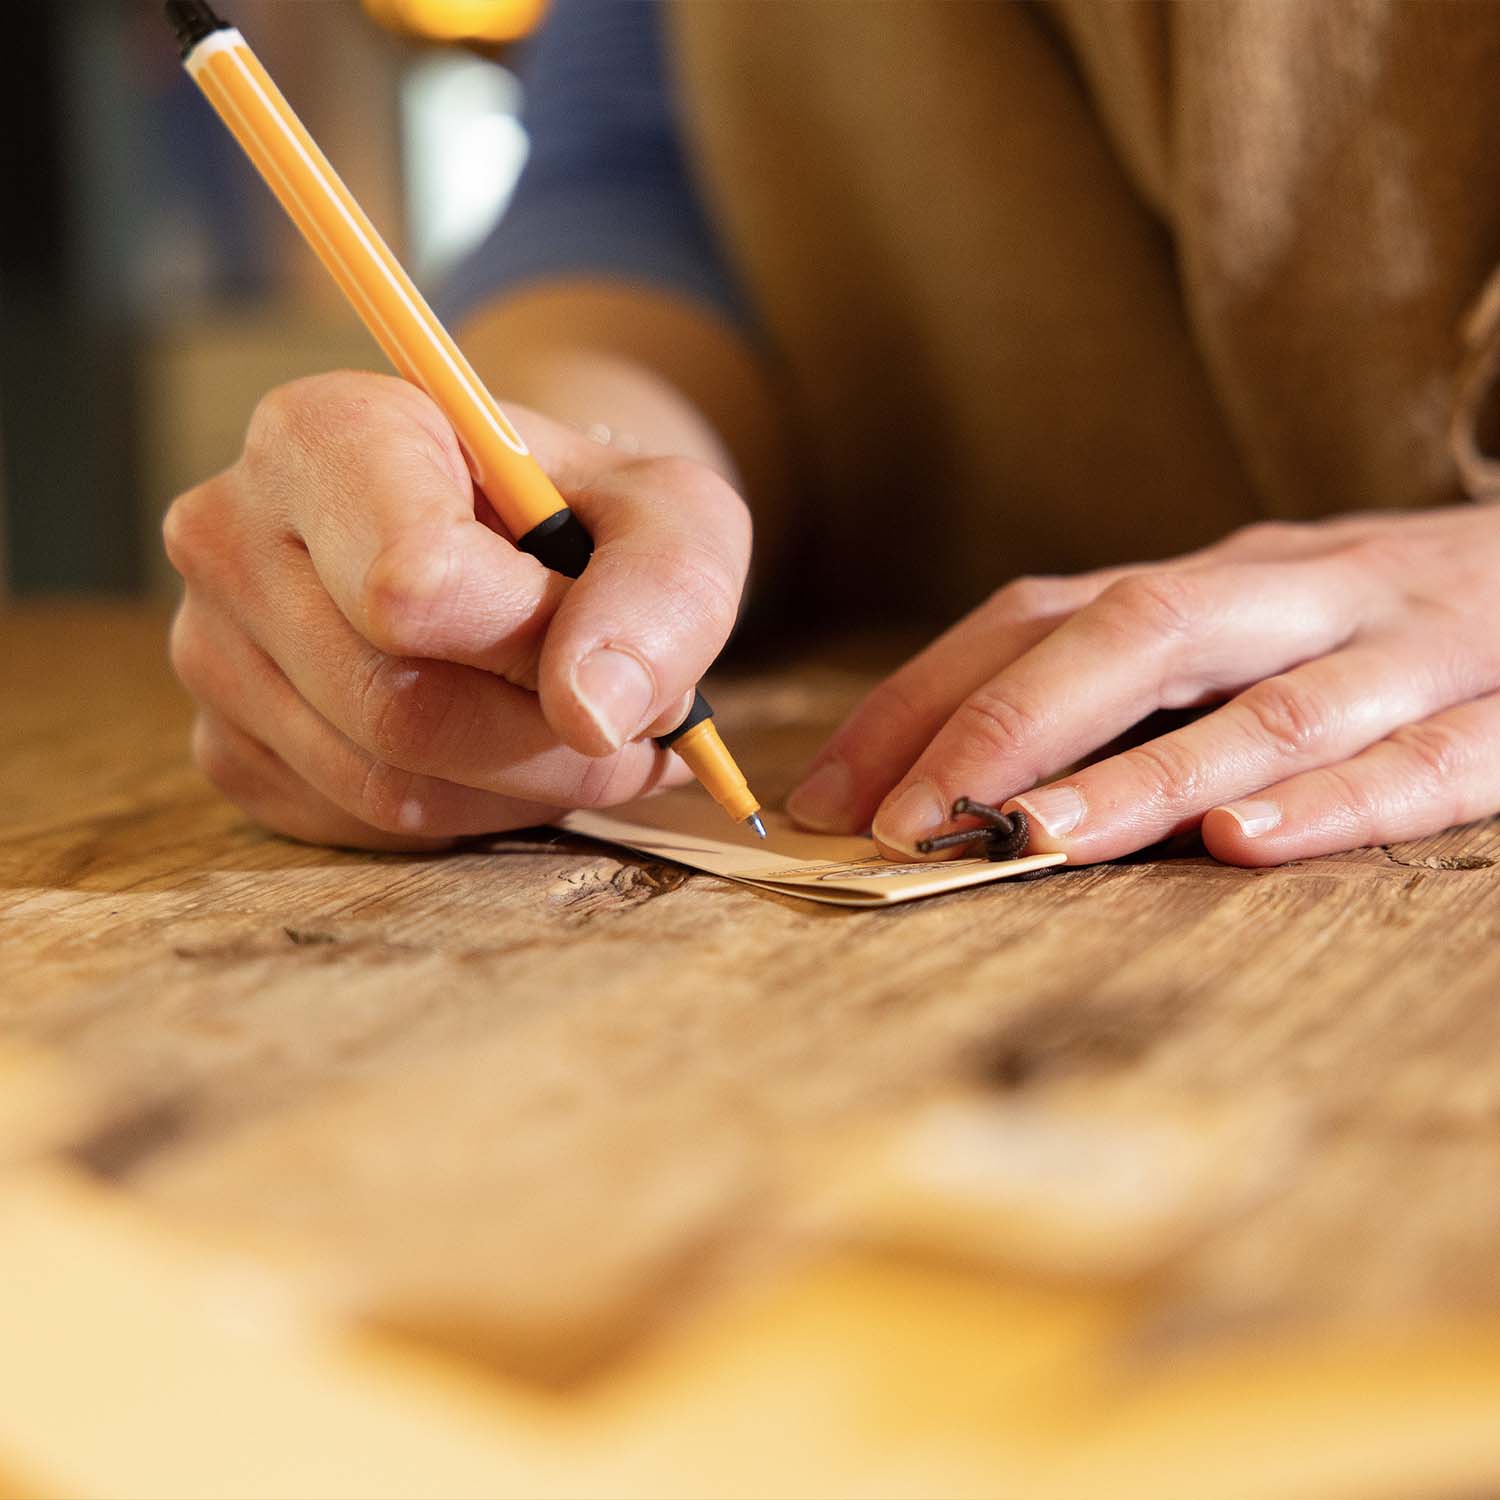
(1254, 818)
(616, 692)
(913, 814)
(1058, 809)
(824, 801)
(667, 722)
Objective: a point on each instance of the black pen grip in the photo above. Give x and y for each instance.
(562, 543)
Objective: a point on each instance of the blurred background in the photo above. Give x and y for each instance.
(150, 287)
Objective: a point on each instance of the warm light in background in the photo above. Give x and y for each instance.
(464, 148)
(460, 20)
(462, 142)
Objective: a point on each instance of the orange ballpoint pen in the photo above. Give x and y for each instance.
(422, 350)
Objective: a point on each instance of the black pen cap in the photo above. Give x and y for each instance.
(192, 20)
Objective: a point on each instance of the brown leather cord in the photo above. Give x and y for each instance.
(999, 836)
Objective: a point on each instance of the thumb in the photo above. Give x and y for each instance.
(654, 606)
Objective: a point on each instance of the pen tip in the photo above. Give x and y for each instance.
(753, 821)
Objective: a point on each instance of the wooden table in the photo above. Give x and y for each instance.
(545, 1169)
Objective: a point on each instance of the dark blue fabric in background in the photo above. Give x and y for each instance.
(606, 189)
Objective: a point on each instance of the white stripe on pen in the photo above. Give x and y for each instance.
(228, 41)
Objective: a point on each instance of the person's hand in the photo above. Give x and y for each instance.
(1360, 659)
(375, 664)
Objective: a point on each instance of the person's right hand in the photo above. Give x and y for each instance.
(375, 664)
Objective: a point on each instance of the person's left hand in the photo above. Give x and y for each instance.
(1360, 659)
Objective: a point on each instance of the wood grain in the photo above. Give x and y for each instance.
(541, 1099)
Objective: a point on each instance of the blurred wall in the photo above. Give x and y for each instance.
(65, 419)
(152, 290)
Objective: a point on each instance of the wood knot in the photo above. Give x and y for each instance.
(305, 939)
(611, 886)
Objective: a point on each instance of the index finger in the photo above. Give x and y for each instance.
(1162, 640)
(370, 480)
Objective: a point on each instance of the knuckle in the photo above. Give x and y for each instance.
(191, 530)
(403, 588)
(207, 749)
(1352, 795)
(186, 654)
(896, 701)
(1028, 598)
(1381, 553)
(1264, 536)
(278, 421)
(1292, 717)
(390, 799)
(1162, 605)
(230, 771)
(412, 713)
(991, 723)
(1440, 753)
(177, 533)
(1170, 771)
